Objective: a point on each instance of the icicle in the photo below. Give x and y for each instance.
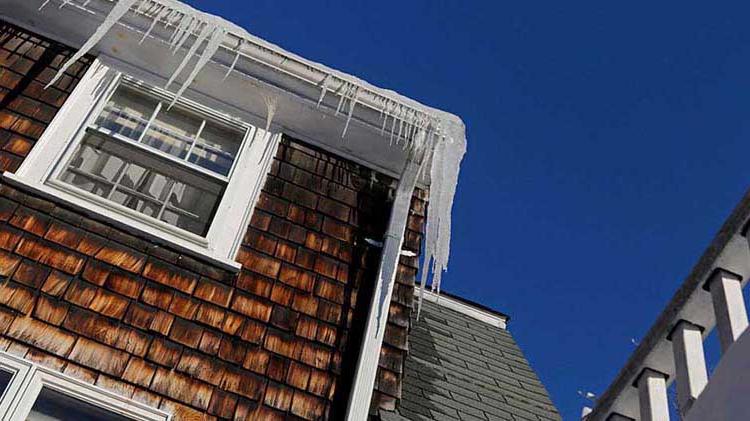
(353, 102)
(446, 162)
(182, 39)
(342, 92)
(272, 102)
(386, 111)
(193, 49)
(323, 88)
(161, 14)
(183, 22)
(143, 7)
(234, 62)
(214, 41)
(117, 12)
(393, 124)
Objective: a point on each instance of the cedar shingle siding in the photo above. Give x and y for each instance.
(278, 339)
(27, 63)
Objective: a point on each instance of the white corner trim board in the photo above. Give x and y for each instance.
(482, 315)
(372, 339)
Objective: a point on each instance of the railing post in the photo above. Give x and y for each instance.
(690, 363)
(729, 306)
(652, 395)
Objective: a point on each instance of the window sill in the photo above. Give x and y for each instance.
(195, 246)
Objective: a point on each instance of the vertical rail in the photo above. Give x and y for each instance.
(690, 363)
(652, 395)
(729, 307)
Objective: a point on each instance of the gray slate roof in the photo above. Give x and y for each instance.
(461, 369)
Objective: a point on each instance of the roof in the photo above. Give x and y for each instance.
(460, 368)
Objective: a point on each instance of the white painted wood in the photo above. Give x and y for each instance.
(464, 308)
(725, 397)
(729, 307)
(19, 398)
(20, 370)
(652, 396)
(367, 365)
(690, 363)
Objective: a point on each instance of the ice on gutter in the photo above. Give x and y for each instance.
(407, 117)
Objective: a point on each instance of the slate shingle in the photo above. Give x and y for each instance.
(459, 368)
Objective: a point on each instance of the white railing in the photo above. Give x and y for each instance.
(672, 351)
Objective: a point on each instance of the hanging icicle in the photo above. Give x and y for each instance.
(272, 102)
(323, 88)
(343, 89)
(445, 167)
(162, 13)
(234, 62)
(184, 35)
(117, 12)
(214, 41)
(352, 103)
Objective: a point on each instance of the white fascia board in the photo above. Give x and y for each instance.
(477, 313)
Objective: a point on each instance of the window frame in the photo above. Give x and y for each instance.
(20, 369)
(30, 378)
(41, 168)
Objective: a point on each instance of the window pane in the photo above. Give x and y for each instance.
(127, 112)
(146, 181)
(5, 378)
(52, 405)
(93, 169)
(132, 177)
(216, 148)
(190, 208)
(172, 132)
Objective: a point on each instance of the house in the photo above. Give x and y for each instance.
(672, 353)
(197, 224)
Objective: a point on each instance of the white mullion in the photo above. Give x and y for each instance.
(125, 169)
(195, 139)
(246, 138)
(150, 121)
(166, 199)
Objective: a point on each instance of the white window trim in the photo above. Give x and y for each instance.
(20, 369)
(30, 378)
(59, 140)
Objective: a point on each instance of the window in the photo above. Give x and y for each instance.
(171, 169)
(166, 163)
(34, 393)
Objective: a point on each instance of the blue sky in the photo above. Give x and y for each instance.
(607, 143)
